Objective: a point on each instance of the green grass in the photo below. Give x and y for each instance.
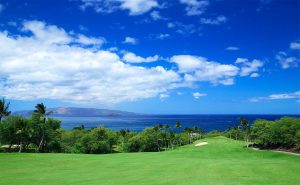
(222, 161)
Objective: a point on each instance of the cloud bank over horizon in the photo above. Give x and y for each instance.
(45, 61)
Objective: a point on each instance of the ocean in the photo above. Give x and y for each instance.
(138, 123)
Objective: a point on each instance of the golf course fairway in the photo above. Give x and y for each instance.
(220, 162)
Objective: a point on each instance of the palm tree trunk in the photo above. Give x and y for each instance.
(20, 145)
(41, 143)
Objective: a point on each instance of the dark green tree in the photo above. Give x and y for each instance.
(246, 128)
(42, 113)
(4, 109)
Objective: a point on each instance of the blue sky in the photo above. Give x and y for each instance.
(152, 56)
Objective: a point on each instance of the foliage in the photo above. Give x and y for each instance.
(279, 133)
(4, 109)
(214, 133)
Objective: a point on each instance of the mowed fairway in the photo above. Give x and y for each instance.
(222, 161)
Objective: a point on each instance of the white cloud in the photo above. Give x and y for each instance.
(50, 34)
(101, 6)
(162, 36)
(249, 68)
(284, 96)
(232, 48)
(163, 96)
(254, 75)
(155, 15)
(198, 68)
(287, 61)
(171, 25)
(130, 40)
(133, 58)
(295, 45)
(180, 93)
(135, 7)
(197, 95)
(90, 40)
(195, 7)
(182, 28)
(138, 7)
(49, 62)
(47, 65)
(216, 21)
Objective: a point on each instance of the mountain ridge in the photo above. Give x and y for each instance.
(81, 112)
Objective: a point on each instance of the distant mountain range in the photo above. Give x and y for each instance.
(81, 112)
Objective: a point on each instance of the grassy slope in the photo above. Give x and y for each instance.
(222, 161)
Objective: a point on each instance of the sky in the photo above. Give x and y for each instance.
(152, 56)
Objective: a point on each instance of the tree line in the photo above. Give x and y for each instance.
(283, 133)
(41, 133)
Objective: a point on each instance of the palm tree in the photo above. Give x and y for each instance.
(189, 131)
(41, 111)
(177, 125)
(167, 130)
(236, 130)
(228, 131)
(245, 126)
(4, 109)
(199, 131)
(196, 130)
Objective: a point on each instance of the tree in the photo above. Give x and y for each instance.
(199, 131)
(15, 130)
(41, 111)
(4, 109)
(189, 132)
(167, 131)
(261, 132)
(236, 131)
(177, 125)
(246, 128)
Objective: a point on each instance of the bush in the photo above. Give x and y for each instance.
(279, 133)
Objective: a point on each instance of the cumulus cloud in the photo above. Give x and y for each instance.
(284, 96)
(249, 68)
(287, 61)
(197, 95)
(138, 7)
(214, 21)
(295, 45)
(195, 7)
(130, 40)
(133, 58)
(46, 64)
(232, 48)
(198, 68)
(135, 7)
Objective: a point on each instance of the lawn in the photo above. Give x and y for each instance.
(222, 161)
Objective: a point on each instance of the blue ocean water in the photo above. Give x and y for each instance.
(138, 123)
